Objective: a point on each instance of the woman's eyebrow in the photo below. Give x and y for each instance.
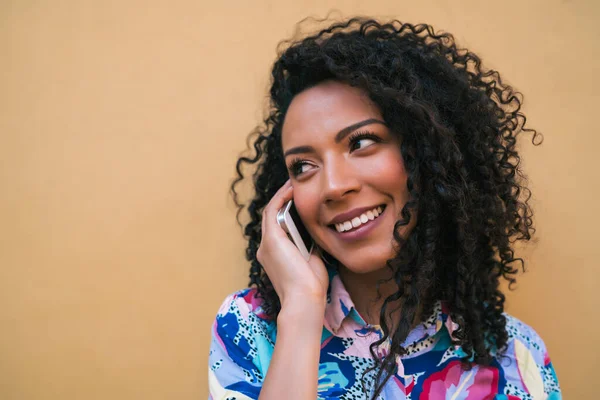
(349, 129)
(338, 138)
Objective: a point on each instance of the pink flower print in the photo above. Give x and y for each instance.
(453, 382)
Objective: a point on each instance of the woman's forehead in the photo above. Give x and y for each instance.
(326, 109)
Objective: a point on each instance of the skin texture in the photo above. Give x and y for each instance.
(334, 176)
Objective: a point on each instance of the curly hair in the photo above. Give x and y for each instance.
(459, 125)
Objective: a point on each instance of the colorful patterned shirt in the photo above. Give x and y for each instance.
(243, 339)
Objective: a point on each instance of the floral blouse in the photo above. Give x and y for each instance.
(243, 339)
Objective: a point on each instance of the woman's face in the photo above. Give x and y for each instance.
(347, 173)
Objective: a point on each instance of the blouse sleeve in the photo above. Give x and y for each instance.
(534, 364)
(232, 372)
(549, 379)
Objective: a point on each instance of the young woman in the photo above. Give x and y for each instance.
(399, 152)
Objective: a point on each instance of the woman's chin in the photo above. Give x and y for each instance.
(365, 268)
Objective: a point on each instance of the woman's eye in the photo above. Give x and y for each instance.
(299, 167)
(361, 143)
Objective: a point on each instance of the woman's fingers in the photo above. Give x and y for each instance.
(275, 201)
(281, 260)
(271, 231)
(281, 197)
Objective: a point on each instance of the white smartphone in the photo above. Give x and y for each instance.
(289, 220)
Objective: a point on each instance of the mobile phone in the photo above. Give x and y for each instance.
(289, 220)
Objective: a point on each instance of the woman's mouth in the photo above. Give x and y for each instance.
(360, 222)
(355, 229)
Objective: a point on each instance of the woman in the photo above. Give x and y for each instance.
(398, 150)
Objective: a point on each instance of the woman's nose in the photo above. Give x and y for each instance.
(338, 180)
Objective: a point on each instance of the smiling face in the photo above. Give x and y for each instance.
(347, 173)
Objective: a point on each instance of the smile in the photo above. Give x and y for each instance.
(356, 222)
(364, 230)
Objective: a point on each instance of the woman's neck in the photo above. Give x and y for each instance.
(362, 289)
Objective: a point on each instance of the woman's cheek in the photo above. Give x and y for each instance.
(305, 207)
(385, 169)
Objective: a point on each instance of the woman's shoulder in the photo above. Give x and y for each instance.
(525, 335)
(245, 304)
(241, 346)
(526, 353)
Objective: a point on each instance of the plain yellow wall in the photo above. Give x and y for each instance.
(120, 122)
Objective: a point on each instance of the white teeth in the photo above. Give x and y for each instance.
(358, 221)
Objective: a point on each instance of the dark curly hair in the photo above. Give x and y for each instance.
(459, 125)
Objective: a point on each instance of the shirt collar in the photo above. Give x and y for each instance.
(340, 308)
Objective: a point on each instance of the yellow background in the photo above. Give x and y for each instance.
(120, 122)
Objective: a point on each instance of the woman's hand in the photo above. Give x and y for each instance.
(295, 280)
